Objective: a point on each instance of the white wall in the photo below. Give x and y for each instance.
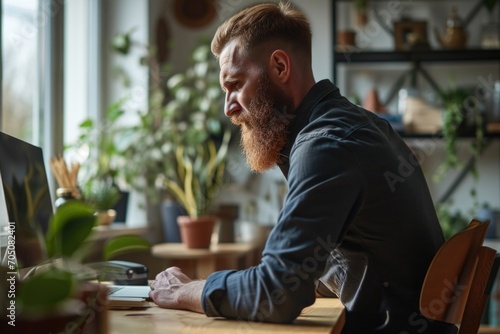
(185, 38)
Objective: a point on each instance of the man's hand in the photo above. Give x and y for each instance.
(173, 289)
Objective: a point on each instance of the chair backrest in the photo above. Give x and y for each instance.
(454, 287)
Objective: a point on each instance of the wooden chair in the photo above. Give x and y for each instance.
(459, 279)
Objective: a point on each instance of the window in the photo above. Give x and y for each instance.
(20, 46)
(44, 69)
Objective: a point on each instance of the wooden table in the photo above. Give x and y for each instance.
(326, 315)
(199, 263)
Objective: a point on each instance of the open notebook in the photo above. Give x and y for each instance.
(128, 296)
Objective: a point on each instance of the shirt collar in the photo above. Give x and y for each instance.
(303, 114)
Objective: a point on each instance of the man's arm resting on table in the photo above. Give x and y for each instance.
(173, 289)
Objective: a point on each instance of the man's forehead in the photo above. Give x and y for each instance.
(231, 55)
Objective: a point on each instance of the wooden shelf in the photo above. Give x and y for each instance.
(358, 56)
(439, 136)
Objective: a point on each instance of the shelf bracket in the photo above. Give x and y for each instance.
(473, 12)
(461, 176)
(428, 78)
(396, 87)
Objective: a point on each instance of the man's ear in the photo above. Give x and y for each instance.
(280, 66)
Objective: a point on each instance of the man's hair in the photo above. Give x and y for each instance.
(263, 23)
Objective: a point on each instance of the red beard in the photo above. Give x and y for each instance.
(265, 126)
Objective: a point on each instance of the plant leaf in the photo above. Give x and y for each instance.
(69, 228)
(44, 291)
(123, 244)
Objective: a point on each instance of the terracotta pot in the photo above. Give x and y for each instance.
(361, 18)
(196, 232)
(346, 38)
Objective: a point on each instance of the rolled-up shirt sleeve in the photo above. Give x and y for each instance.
(325, 190)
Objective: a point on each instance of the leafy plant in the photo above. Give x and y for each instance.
(52, 285)
(183, 112)
(490, 4)
(101, 145)
(455, 114)
(101, 195)
(198, 175)
(361, 5)
(451, 222)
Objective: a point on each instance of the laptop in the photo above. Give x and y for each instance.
(129, 283)
(19, 159)
(128, 296)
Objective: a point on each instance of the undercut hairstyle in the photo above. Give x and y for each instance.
(263, 23)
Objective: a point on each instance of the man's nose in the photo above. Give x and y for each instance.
(230, 105)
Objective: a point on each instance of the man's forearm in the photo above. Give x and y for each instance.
(190, 296)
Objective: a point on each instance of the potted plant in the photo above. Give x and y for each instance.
(102, 196)
(184, 111)
(100, 152)
(199, 176)
(57, 294)
(361, 8)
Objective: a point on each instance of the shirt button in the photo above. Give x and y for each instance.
(385, 284)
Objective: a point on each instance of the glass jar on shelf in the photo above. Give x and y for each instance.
(490, 33)
(66, 194)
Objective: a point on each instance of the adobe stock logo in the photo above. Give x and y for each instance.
(449, 294)
(406, 168)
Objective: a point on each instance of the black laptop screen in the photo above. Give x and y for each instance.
(25, 183)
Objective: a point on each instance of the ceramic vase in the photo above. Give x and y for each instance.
(196, 232)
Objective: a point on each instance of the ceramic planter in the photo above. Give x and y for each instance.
(196, 232)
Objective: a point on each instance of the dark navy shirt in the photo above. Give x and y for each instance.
(358, 222)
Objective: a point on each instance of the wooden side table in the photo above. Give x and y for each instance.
(199, 263)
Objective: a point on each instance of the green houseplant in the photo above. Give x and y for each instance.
(460, 117)
(100, 151)
(102, 196)
(198, 178)
(451, 221)
(183, 115)
(101, 142)
(490, 4)
(57, 294)
(183, 111)
(198, 175)
(361, 9)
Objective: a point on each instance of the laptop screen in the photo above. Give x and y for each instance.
(25, 187)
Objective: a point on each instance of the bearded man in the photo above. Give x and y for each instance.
(358, 221)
